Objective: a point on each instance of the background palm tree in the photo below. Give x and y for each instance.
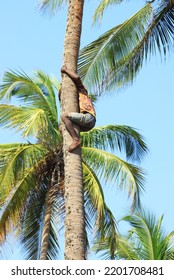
(32, 175)
(145, 240)
(30, 167)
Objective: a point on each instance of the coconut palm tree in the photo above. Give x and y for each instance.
(32, 173)
(74, 191)
(145, 240)
(112, 60)
(30, 167)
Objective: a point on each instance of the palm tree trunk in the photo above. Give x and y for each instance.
(46, 227)
(50, 197)
(74, 197)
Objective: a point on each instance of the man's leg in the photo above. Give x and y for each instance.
(70, 128)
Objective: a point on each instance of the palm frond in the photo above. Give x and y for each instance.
(105, 225)
(115, 59)
(112, 170)
(168, 247)
(31, 176)
(125, 249)
(51, 6)
(48, 85)
(28, 120)
(12, 248)
(104, 4)
(143, 230)
(106, 229)
(93, 191)
(151, 238)
(116, 138)
(157, 39)
(160, 34)
(102, 56)
(145, 240)
(16, 163)
(21, 86)
(93, 200)
(10, 212)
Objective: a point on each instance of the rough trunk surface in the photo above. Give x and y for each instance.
(74, 197)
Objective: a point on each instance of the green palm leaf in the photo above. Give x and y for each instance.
(28, 120)
(116, 138)
(102, 56)
(107, 229)
(160, 34)
(11, 248)
(48, 86)
(123, 249)
(143, 229)
(153, 243)
(17, 178)
(10, 212)
(105, 224)
(114, 60)
(110, 169)
(102, 6)
(93, 190)
(146, 240)
(25, 89)
(40, 117)
(51, 6)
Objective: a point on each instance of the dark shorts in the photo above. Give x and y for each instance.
(85, 121)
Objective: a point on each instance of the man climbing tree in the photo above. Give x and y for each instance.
(75, 236)
(86, 118)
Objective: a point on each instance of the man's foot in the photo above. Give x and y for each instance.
(74, 145)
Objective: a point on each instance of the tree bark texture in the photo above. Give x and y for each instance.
(46, 227)
(50, 198)
(75, 245)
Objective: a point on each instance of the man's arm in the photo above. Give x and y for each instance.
(74, 77)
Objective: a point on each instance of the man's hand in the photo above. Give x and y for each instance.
(74, 77)
(63, 69)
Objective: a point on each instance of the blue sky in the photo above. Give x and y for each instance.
(32, 41)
